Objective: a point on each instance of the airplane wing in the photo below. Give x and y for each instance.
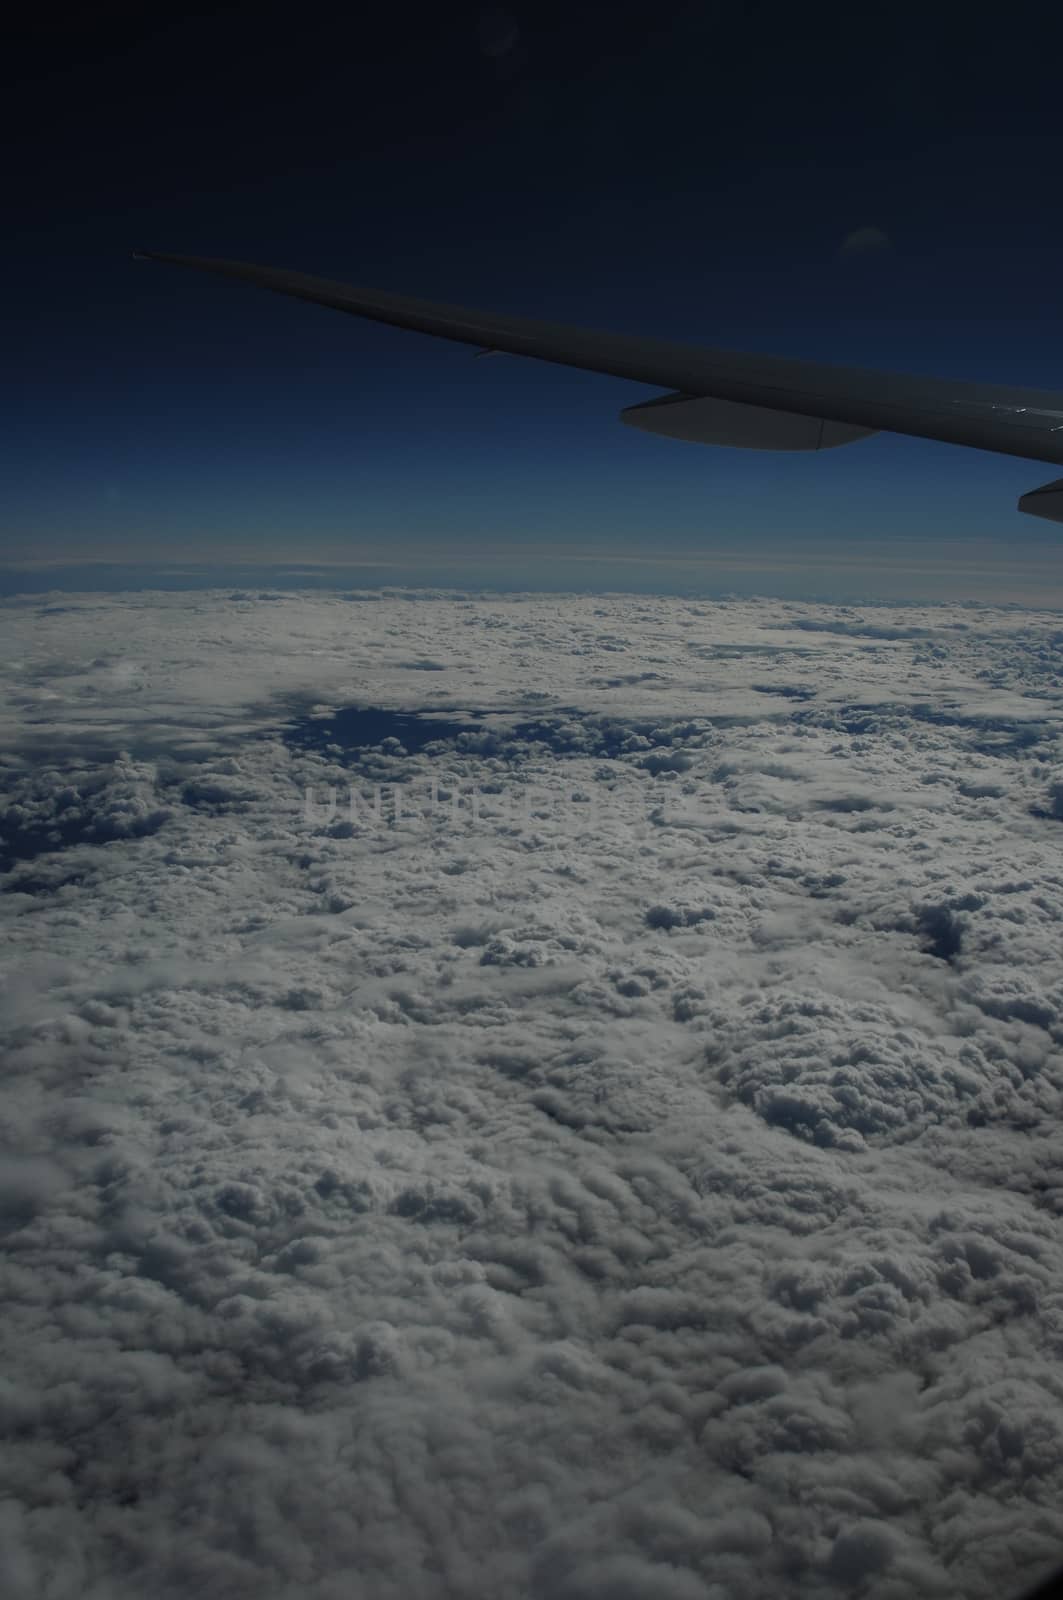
(718, 396)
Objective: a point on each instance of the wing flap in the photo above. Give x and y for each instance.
(728, 422)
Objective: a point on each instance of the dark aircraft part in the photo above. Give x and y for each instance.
(1050, 1588)
(706, 421)
(1047, 501)
(719, 396)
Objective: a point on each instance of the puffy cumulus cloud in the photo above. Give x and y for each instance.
(625, 1165)
(837, 1073)
(46, 809)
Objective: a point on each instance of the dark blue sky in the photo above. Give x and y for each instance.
(687, 170)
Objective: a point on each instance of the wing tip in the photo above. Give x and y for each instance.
(1046, 501)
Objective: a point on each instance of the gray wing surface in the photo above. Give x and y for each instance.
(718, 396)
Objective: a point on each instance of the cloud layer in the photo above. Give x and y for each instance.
(629, 1168)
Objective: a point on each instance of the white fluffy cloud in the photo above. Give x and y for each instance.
(630, 1171)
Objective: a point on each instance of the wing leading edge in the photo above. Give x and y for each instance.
(719, 396)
